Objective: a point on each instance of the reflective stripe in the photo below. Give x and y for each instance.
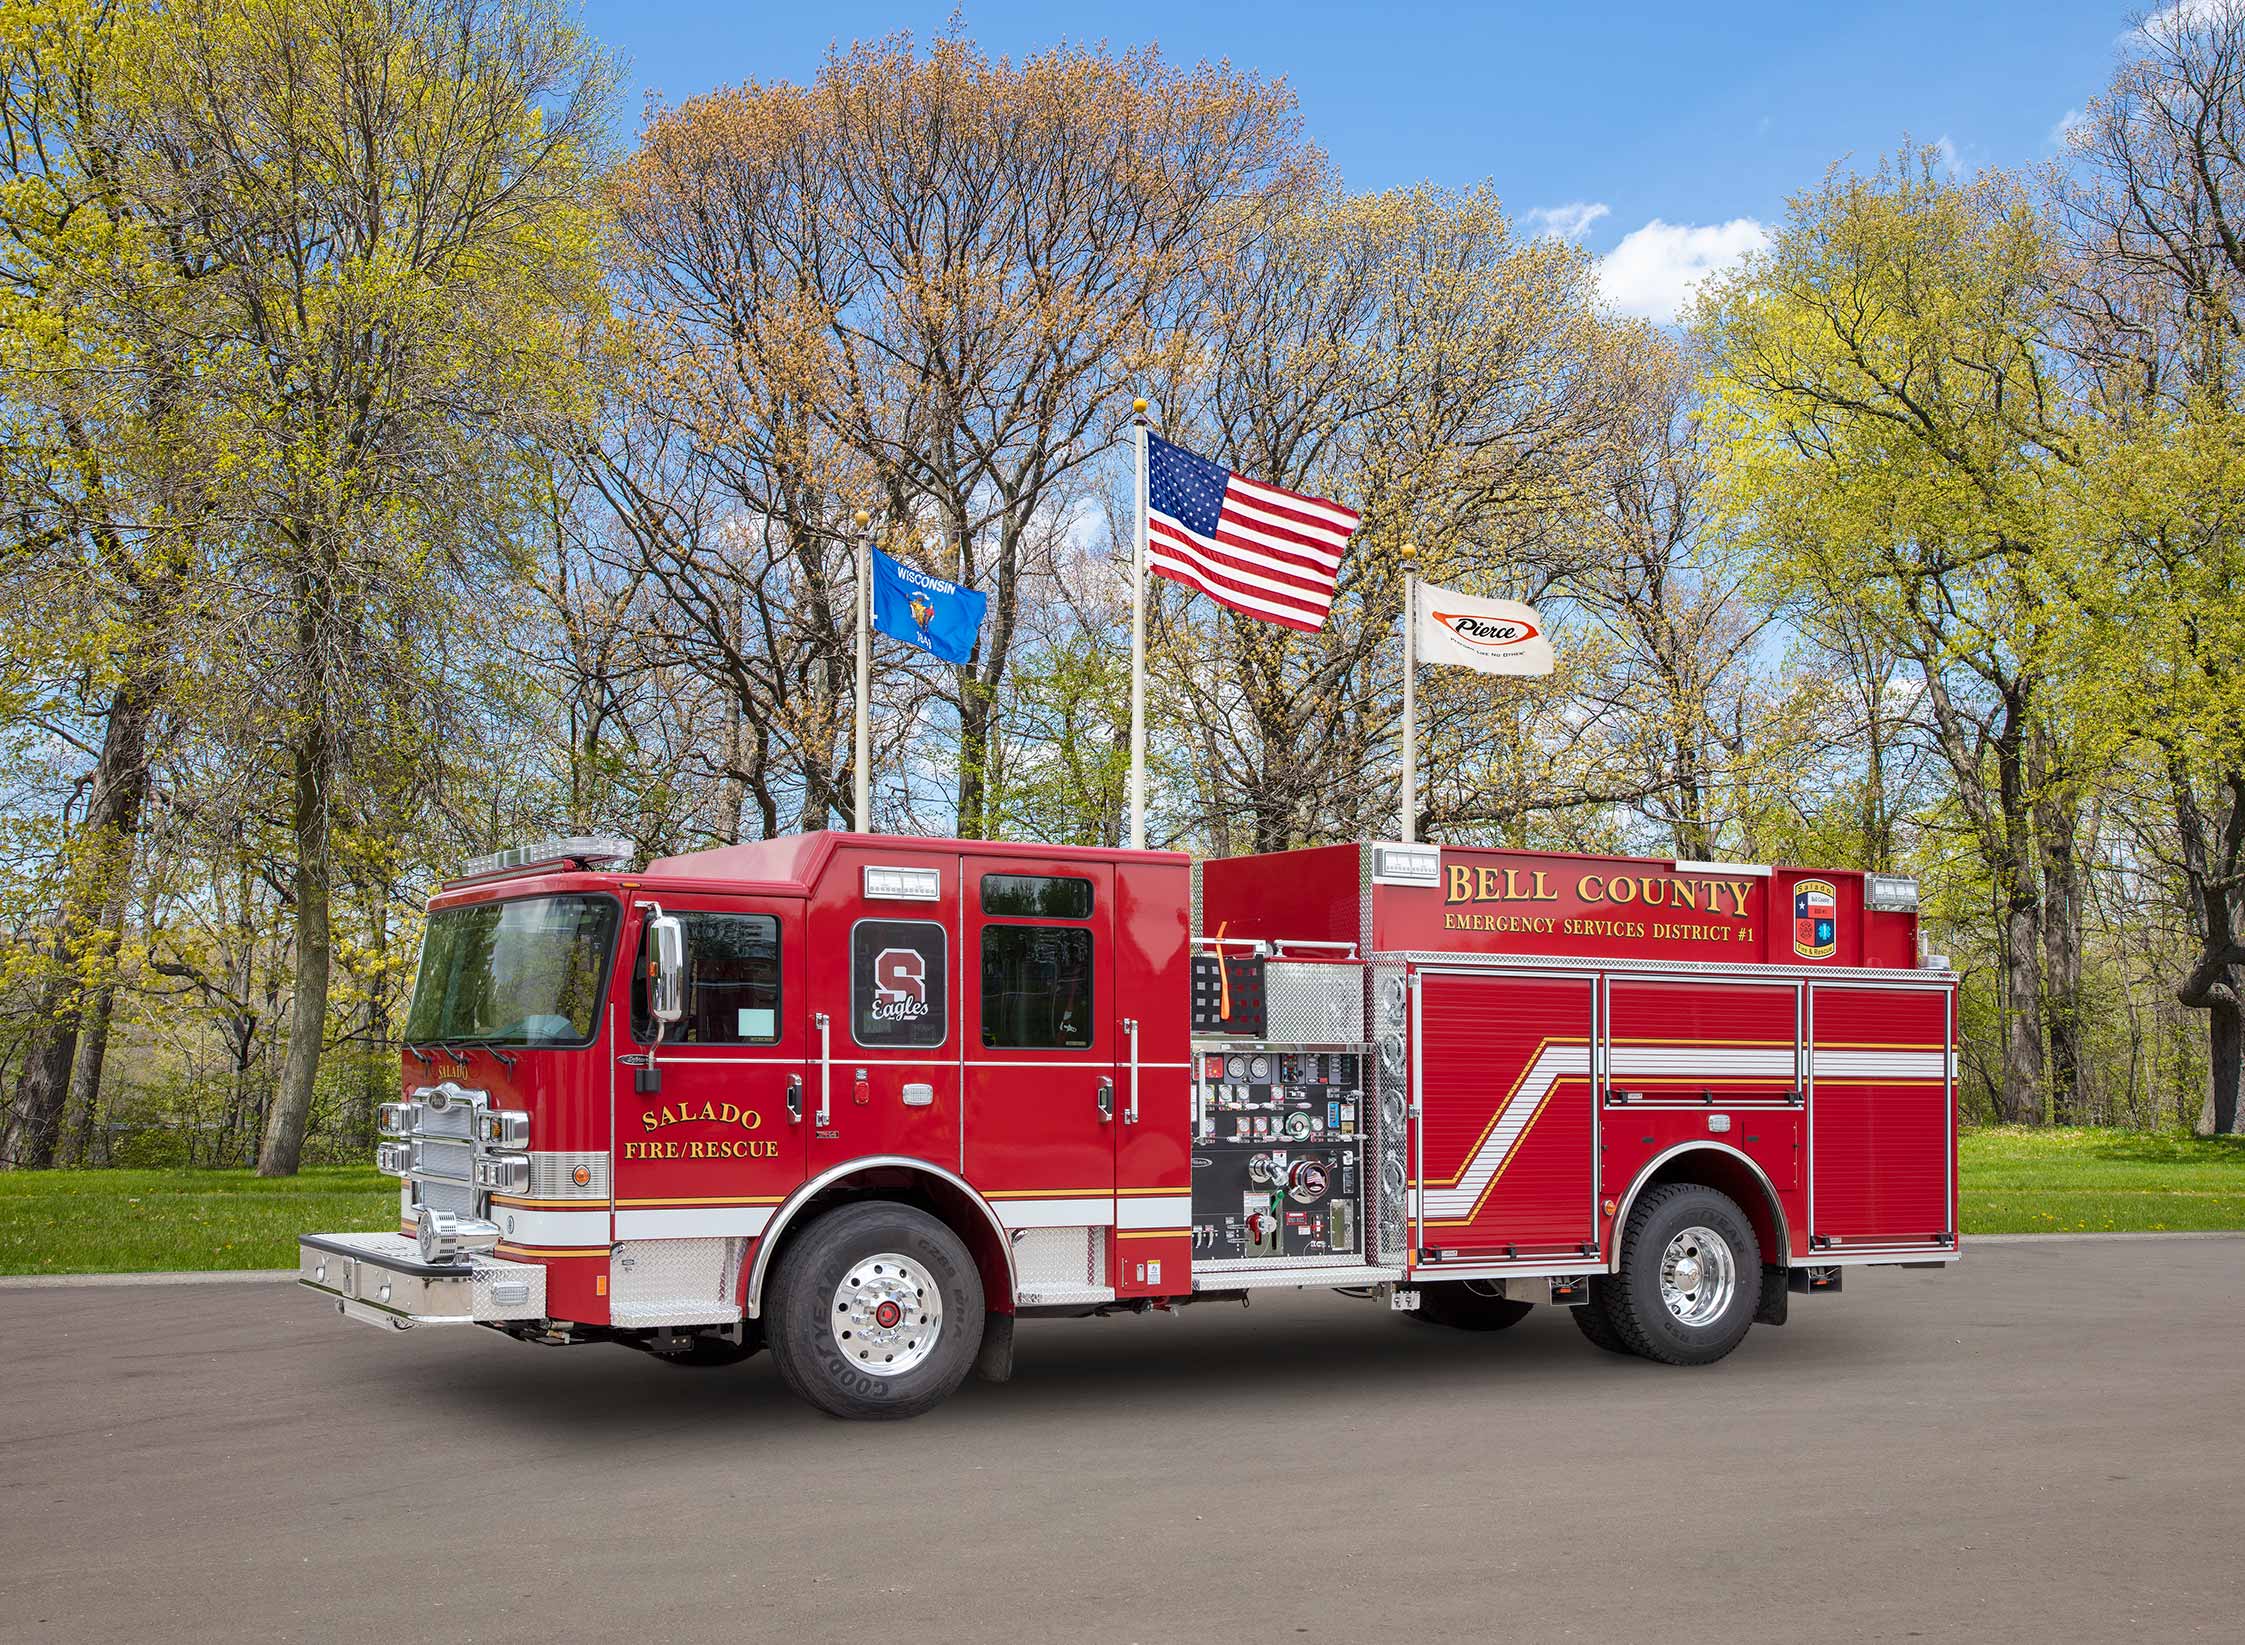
(1166, 1211)
(543, 1227)
(700, 1222)
(1055, 1213)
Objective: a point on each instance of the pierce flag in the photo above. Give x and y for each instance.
(937, 616)
(1494, 636)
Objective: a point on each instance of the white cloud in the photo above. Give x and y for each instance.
(2171, 20)
(2061, 134)
(1653, 270)
(1568, 222)
(1946, 147)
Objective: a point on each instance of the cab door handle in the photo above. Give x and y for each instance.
(1106, 1099)
(795, 1099)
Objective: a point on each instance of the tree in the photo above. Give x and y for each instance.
(1894, 423)
(392, 198)
(917, 284)
(1411, 355)
(109, 498)
(2151, 210)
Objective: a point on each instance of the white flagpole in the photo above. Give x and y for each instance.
(861, 809)
(1138, 640)
(1410, 828)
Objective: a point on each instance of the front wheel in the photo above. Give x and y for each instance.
(876, 1312)
(1690, 1279)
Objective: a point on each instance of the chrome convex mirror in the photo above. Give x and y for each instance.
(666, 969)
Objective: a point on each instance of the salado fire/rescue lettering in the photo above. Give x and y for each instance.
(867, 1103)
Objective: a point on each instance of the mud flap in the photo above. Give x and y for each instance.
(1775, 1293)
(994, 1361)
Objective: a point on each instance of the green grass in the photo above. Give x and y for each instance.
(112, 1222)
(2072, 1180)
(100, 1222)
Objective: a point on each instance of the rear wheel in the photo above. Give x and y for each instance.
(876, 1312)
(1690, 1276)
(1469, 1305)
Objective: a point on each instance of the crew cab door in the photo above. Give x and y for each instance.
(1046, 1095)
(715, 1146)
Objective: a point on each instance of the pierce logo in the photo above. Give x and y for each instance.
(1488, 634)
(900, 985)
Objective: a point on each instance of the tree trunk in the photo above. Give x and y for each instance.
(2022, 1020)
(85, 1073)
(974, 755)
(2225, 1038)
(102, 861)
(282, 1150)
(2063, 897)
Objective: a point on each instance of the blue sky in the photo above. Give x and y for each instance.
(1700, 119)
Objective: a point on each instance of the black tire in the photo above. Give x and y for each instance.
(711, 1353)
(803, 1318)
(1457, 1304)
(1634, 1304)
(1592, 1320)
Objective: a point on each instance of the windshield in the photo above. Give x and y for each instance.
(528, 972)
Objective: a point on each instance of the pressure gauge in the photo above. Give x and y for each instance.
(1259, 1069)
(1236, 1068)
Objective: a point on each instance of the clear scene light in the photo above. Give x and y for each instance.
(904, 884)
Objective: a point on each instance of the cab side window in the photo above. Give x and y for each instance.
(1038, 987)
(732, 983)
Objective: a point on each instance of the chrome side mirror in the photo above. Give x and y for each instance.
(666, 968)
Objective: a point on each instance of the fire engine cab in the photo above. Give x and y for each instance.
(866, 1101)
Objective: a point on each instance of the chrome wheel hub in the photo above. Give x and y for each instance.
(887, 1314)
(1698, 1276)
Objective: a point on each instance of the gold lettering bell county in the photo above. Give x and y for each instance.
(1470, 884)
(1474, 883)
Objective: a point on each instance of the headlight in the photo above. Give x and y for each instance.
(393, 1158)
(503, 1173)
(395, 1119)
(504, 1128)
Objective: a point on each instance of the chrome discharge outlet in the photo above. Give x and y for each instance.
(448, 1237)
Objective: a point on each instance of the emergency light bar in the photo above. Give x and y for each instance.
(592, 850)
(1890, 893)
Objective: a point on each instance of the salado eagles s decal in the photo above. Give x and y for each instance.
(1816, 919)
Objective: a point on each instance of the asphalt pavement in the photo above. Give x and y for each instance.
(2042, 1444)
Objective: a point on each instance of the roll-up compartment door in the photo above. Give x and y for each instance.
(1703, 1042)
(1882, 1140)
(1506, 1156)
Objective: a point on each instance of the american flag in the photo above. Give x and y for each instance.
(1268, 552)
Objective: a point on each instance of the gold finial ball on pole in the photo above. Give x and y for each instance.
(1410, 551)
(1138, 408)
(862, 518)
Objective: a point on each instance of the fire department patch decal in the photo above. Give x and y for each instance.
(1816, 919)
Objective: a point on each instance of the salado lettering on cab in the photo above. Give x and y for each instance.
(708, 1113)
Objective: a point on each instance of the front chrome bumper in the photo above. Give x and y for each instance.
(380, 1279)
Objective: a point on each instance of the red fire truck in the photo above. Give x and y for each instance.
(867, 1101)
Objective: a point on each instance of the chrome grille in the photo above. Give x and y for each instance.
(443, 1141)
